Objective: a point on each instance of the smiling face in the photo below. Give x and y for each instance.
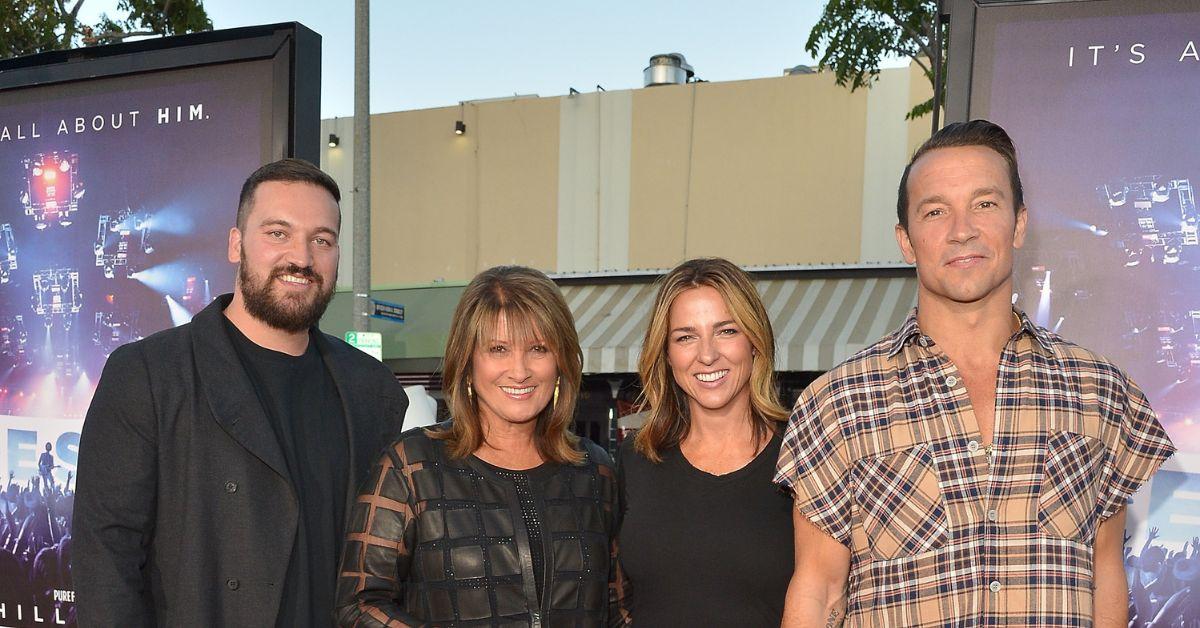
(287, 255)
(962, 227)
(512, 378)
(710, 357)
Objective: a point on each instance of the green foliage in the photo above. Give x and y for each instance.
(853, 36)
(32, 26)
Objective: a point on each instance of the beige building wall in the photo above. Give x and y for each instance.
(593, 181)
(886, 155)
(773, 181)
(338, 161)
(660, 173)
(517, 179)
(421, 198)
(791, 170)
(919, 91)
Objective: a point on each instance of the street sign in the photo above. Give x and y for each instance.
(369, 342)
(387, 311)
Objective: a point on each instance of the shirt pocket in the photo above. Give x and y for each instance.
(1070, 492)
(901, 504)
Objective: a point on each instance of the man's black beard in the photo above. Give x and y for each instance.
(285, 314)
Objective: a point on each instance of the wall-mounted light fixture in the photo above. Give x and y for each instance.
(460, 127)
(334, 140)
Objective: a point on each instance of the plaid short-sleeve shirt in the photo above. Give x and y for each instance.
(883, 453)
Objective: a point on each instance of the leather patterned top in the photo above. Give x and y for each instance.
(437, 541)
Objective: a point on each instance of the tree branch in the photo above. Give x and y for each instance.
(115, 36)
(924, 68)
(922, 40)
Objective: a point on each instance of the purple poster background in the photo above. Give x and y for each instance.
(1103, 113)
(116, 197)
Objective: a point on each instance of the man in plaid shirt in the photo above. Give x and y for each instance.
(971, 468)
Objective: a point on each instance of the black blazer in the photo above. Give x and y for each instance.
(185, 514)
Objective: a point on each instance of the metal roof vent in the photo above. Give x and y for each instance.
(667, 69)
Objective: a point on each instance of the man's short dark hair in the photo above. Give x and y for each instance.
(973, 133)
(290, 170)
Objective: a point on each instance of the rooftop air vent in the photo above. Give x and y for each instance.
(667, 69)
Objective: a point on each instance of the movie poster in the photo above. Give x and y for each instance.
(116, 197)
(1100, 99)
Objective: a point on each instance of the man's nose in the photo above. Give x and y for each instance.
(963, 227)
(300, 254)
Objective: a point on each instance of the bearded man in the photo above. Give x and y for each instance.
(218, 458)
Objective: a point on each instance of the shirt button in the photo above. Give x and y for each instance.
(994, 586)
(952, 381)
(233, 584)
(992, 516)
(231, 487)
(924, 341)
(972, 446)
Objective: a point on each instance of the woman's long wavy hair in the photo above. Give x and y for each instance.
(532, 307)
(668, 418)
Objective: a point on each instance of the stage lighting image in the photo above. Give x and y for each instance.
(189, 289)
(52, 188)
(166, 278)
(65, 365)
(1175, 340)
(174, 220)
(122, 241)
(179, 314)
(114, 329)
(8, 253)
(14, 341)
(56, 294)
(1152, 221)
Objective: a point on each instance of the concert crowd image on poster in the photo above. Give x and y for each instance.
(116, 199)
(1100, 100)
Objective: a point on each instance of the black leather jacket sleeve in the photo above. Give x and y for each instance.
(377, 553)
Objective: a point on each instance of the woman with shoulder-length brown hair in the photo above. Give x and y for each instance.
(501, 515)
(705, 536)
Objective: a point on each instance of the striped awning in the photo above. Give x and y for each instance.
(817, 322)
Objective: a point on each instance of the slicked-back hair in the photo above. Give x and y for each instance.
(668, 419)
(289, 170)
(973, 133)
(532, 307)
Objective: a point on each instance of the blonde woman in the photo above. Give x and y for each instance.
(501, 516)
(705, 537)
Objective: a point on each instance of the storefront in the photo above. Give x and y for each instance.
(820, 317)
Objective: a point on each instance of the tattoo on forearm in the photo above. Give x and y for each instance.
(837, 614)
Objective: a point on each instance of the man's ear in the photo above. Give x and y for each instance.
(906, 248)
(1019, 231)
(235, 246)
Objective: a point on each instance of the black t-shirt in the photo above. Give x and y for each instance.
(700, 549)
(302, 403)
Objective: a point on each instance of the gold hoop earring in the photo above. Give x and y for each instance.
(554, 402)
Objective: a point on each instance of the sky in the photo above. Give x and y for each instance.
(436, 54)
